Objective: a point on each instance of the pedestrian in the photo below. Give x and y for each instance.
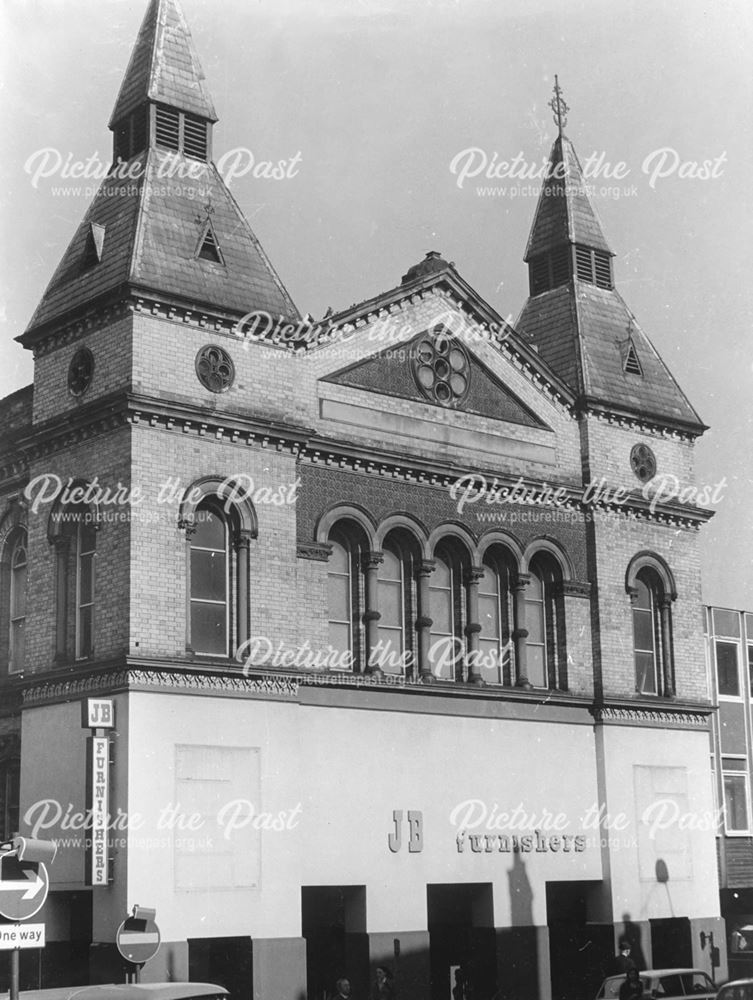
(632, 988)
(623, 962)
(342, 989)
(384, 988)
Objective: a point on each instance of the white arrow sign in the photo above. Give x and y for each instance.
(31, 885)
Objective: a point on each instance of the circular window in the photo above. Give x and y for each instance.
(643, 462)
(215, 368)
(441, 368)
(81, 371)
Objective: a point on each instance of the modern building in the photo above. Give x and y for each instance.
(729, 636)
(389, 650)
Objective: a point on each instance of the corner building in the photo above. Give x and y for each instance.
(398, 678)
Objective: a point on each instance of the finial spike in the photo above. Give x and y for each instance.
(559, 106)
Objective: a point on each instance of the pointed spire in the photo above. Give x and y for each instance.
(564, 213)
(574, 316)
(164, 67)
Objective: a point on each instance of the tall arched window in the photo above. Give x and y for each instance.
(496, 618)
(210, 581)
(647, 632)
(391, 602)
(72, 530)
(17, 636)
(340, 590)
(447, 610)
(345, 586)
(86, 550)
(546, 658)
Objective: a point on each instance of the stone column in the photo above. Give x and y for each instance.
(423, 621)
(371, 562)
(242, 548)
(668, 680)
(473, 627)
(521, 632)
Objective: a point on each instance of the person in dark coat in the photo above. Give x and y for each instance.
(623, 963)
(384, 988)
(632, 988)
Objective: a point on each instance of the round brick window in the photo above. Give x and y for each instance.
(215, 368)
(441, 368)
(643, 462)
(80, 371)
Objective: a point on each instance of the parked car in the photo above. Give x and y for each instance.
(738, 989)
(660, 983)
(128, 991)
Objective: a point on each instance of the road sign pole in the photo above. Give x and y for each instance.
(14, 973)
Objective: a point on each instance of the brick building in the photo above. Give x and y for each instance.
(406, 657)
(729, 636)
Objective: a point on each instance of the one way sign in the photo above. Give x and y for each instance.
(23, 887)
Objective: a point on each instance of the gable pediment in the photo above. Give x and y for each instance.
(438, 369)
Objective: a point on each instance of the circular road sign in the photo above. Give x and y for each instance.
(23, 887)
(138, 940)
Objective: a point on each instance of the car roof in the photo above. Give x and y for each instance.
(660, 972)
(125, 991)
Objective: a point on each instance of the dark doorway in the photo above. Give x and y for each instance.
(671, 945)
(462, 942)
(226, 961)
(334, 926)
(578, 951)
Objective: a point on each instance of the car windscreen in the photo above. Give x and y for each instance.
(684, 984)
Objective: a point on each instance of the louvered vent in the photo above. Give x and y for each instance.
(168, 128)
(122, 142)
(538, 272)
(560, 262)
(603, 269)
(195, 137)
(632, 364)
(209, 248)
(583, 267)
(549, 270)
(139, 130)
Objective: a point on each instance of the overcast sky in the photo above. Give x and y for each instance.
(370, 101)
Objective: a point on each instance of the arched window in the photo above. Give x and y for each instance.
(391, 631)
(546, 658)
(647, 632)
(17, 630)
(86, 550)
(447, 612)
(210, 581)
(496, 615)
(72, 530)
(396, 601)
(345, 587)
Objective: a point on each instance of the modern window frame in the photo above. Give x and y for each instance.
(742, 775)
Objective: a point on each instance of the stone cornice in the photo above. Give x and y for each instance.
(658, 714)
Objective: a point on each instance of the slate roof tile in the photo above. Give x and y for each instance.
(164, 66)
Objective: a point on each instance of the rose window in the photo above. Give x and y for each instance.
(215, 368)
(441, 368)
(643, 462)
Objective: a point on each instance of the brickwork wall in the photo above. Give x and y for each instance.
(108, 459)
(111, 346)
(159, 556)
(617, 543)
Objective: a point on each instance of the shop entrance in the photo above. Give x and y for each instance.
(462, 944)
(334, 926)
(671, 946)
(580, 953)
